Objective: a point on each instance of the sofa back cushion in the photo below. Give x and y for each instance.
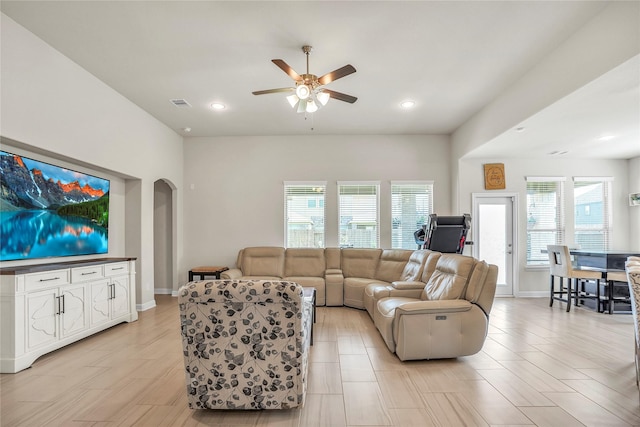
(391, 265)
(430, 265)
(332, 258)
(413, 269)
(359, 262)
(449, 280)
(307, 262)
(263, 261)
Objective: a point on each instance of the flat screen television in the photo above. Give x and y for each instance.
(50, 211)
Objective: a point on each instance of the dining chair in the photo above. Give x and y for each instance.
(632, 267)
(612, 277)
(560, 266)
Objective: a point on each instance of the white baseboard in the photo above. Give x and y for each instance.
(174, 293)
(146, 306)
(533, 294)
(163, 291)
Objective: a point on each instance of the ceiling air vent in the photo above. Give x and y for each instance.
(182, 103)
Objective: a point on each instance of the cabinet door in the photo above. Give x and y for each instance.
(74, 317)
(120, 301)
(100, 302)
(42, 318)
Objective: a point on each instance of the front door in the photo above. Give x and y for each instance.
(494, 236)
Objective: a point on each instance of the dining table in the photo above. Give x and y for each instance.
(605, 261)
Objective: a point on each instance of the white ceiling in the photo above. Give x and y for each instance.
(451, 57)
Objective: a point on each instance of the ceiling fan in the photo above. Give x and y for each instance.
(310, 93)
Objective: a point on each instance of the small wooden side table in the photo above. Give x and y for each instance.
(206, 271)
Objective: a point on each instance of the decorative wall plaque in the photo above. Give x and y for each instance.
(494, 176)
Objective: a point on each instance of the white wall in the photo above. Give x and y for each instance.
(234, 185)
(634, 211)
(472, 181)
(53, 106)
(605, 42)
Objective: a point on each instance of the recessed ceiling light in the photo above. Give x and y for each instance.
(408, 104)
(187, 130)
(218, 106)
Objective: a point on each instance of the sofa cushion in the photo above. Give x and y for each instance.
(391, 264)
(359, 262)
(354, 291)
(413, 269)
(304, 262)
(449, 280)
(384, 315)
(430, 265)
(263, 261)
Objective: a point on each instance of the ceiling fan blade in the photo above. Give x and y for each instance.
(336, 74)
(282, 89)
(287, 69)
(341, 96)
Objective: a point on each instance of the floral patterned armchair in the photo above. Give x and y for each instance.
(245, 343)
(633, 275)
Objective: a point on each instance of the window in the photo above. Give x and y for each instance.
(545, 217)
(592, 212)
(304, 214)
(411, 205)
(358, 212)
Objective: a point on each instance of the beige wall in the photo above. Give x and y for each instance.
(535, 281)
(234, 185)
(54, 108)
(634, 211)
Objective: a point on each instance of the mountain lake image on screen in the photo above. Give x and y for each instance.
(50, 211)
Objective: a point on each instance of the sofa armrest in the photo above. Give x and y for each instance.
(334, 287)
(231, 274)
(406, 285)
(434, 306)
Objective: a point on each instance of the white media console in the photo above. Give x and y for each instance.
(46, 306)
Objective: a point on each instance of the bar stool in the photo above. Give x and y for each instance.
(560, 266)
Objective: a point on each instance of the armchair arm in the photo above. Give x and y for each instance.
(231, 274)
(405, 285)
(334, 287)
(433, 307)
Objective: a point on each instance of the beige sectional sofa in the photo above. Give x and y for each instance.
(425, 304)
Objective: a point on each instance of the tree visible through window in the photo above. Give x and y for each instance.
(411, 205)
(545, 217)
(304, 214)
(358, 212)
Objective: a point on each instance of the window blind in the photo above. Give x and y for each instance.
(411, 205)
(304, 214)
(545, 217)
(358, 214)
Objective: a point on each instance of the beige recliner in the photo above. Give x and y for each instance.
(447, 318)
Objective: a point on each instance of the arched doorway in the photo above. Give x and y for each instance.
(163, 237)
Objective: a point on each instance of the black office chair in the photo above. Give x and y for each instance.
(447, 234)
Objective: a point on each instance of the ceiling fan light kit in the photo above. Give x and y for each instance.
(309, 92)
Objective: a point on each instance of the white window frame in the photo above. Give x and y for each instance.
(319, 241)
(375, 184)
(560, 228)
(404, 234)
